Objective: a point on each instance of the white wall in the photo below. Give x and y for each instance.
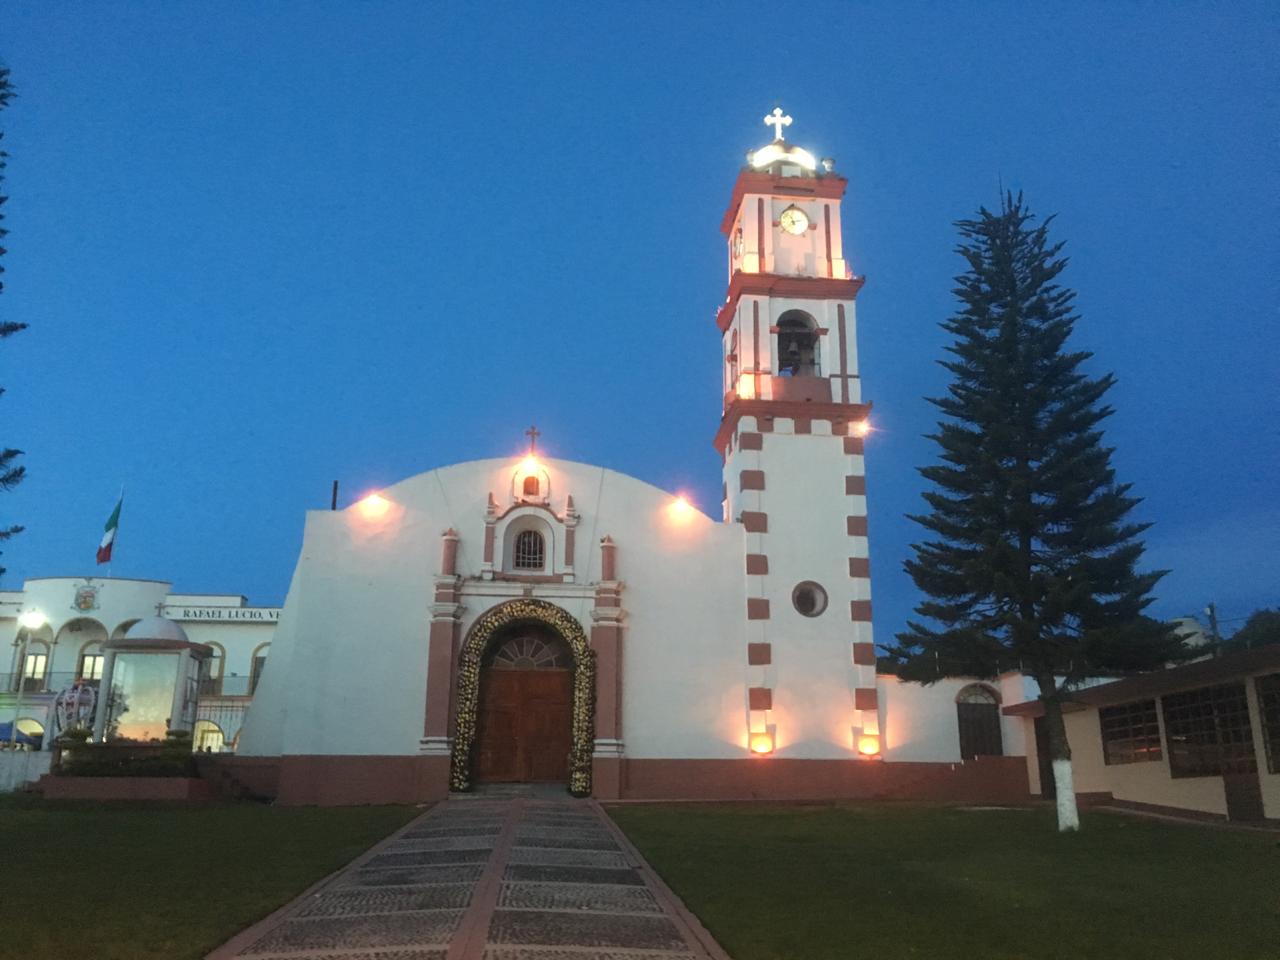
(347, 673)
(18, 767)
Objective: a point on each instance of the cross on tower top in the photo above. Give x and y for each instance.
(533, 434)
(777, 121)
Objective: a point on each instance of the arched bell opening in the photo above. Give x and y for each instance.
(797, 345)
(526, 699)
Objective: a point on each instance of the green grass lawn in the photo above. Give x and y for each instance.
(136, 881)
(890, 881)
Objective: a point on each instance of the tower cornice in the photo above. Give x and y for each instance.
(794, 409)
(775, 285)
(829, 187)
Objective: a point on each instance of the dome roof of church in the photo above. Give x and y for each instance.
(156, 629)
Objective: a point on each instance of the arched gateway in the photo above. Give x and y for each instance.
(528, 637)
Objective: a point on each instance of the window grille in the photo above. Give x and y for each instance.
(1269, 706)
(530, 551)
(528, 652)
(1130, 732)
(1208, 731)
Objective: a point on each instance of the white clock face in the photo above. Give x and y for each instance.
(794, 221)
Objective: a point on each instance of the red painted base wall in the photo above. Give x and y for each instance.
(347, 780)
(984, 780)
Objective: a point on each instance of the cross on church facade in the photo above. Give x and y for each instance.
(533, 434)
(777, 121)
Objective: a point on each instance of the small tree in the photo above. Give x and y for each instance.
(1261, 629)
(1031, 560)
(11, 473)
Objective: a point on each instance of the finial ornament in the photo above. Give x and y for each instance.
(533, 433)
(777, 121)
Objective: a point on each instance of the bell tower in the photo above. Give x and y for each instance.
(791, 437)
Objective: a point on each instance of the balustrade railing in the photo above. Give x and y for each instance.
(49, 683)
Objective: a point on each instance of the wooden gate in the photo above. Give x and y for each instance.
(523, 729)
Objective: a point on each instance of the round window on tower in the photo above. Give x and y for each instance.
(809, 599)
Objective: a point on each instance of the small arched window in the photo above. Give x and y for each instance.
(257, 664)
(797, 346)
(531, 485)
(530, 551)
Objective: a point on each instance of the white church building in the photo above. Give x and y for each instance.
(533, 620)
(539, 620)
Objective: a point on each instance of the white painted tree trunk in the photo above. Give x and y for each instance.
(1068, 814)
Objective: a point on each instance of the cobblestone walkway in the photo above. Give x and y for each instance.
(484, 879)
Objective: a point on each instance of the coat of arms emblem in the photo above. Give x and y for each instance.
(86, 598)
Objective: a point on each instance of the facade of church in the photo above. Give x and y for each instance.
(538, 620)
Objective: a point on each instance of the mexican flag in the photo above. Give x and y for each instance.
(109, 533)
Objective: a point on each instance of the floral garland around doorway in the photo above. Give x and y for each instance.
(584, 688)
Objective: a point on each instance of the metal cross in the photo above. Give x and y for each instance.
(777, 121)
(533, 434)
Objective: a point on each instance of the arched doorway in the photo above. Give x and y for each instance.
(526, 685)
(978, 717)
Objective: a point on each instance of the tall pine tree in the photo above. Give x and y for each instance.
(1031, 558)
(11, 473)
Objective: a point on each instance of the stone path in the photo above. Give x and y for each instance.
(486, 879)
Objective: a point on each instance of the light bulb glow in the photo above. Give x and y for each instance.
(33, 620)
(529, 464)
(869, 745)
(680, 509)
(374, 506)
(761, 743)
(862, 428)
(774, 152)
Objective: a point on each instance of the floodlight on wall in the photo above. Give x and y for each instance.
(762, 742)
(868, 746)
(374, 506)
(680, 510)
(33, 619)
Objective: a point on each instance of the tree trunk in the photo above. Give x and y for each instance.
(1060, 753)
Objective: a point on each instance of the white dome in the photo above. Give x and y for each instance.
(156, 629)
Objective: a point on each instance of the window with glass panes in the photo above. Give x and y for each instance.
(1207, 731)
(1130, 732)
(1268, 689)
(91, 666)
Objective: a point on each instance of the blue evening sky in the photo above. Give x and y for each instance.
(263, 246)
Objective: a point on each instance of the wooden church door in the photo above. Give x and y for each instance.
(524, 720)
